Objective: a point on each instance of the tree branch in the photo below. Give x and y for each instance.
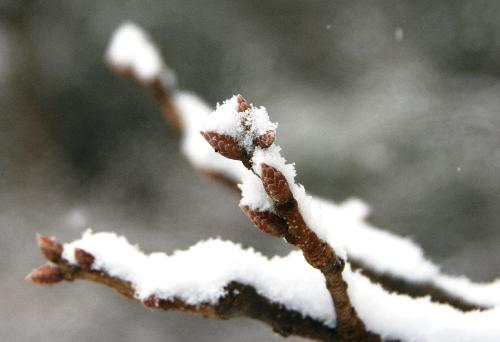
(240, 300)
(317, 253)
(163, 93)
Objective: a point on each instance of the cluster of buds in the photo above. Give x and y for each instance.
(57, 270)
(229, 147)
(285, 220)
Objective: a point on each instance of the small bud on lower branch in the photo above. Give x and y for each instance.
(50, 249)
(84, 259)
(225, 145)
(266, 221)
(45, 274)
(275, 184)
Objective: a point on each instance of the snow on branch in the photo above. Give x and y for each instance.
(132, 51)
(203, 280)
(395, 261)
(217, 279)
(329, 234)
(238, 130)
(388, 315)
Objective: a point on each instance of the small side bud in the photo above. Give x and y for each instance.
(275, 184)
(84, 259)
(45, 275)
(50, 249)
(225, 145)
(265, 140)
(266, 221)
(243, 105)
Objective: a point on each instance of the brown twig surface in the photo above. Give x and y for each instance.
(240, 300)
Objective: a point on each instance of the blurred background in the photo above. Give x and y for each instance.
(395, 102)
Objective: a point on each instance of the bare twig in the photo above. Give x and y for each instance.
(240, 300)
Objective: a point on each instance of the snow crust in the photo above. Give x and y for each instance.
(199, 275)
(131, 48)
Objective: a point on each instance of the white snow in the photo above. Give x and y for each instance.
(418, 319)
(343, 226)
(225, 119)
(253, 194)
(199, 275)
(131, 49)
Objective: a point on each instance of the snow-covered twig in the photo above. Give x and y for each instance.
(395, 262)
(191, 281)
(240, 131)
(132, 54)
(291, 294)
(284, 292)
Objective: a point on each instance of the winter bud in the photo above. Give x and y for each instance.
(225, 145)
(45, 274)
(266, 221)
(275, 184)
(84, 259)
(265, 140)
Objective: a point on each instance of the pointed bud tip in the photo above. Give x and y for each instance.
(243, 105)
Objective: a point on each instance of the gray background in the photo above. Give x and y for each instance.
(411, 125)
